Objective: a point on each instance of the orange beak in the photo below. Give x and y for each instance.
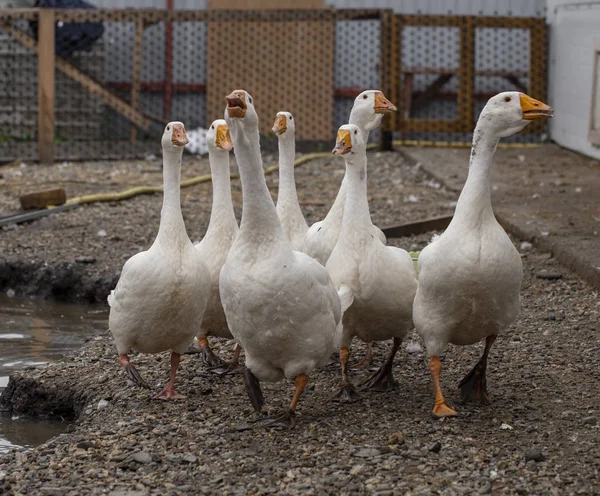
(236, 104)
(343, 142)
(280, 125)
(223, 140)
(534, 109)
(179, 136)
(382, 105)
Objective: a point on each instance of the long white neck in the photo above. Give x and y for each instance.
(474, 203)
(172, 226)
(222, 207)
(259, 217)
(287, 183)
(356, 208)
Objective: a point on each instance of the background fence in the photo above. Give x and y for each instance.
(152, 66)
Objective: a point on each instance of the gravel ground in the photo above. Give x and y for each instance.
(97, 239)
(539, 436)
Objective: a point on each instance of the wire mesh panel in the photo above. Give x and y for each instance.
(120, 75)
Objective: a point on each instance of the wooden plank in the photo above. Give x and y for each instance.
(283, 65)
(466, 83)
(419, 227)
(537, 68)
(136, 72)
(46, 86)
(390, 64)
(87, 82)
(42, 199)
(431, 91)
(431, 125)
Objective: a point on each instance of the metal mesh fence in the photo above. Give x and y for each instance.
(119, 75)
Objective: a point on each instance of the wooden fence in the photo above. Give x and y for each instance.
(314, 62)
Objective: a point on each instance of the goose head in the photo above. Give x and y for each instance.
(218, 137)
(174, 137)
(349, 141)
(369, 108)
(240, 111)
(285, 125)
(508, 113)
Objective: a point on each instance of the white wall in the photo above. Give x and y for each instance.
(574, 28)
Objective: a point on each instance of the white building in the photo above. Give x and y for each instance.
(574, 74)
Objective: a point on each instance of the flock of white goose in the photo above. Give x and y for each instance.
(290, 294)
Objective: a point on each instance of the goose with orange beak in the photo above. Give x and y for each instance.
(161, 296)
(288, 209)
(280, 304)
(470, 276)
(214, 247)
(376, 283)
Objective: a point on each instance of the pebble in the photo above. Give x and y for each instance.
(102, 404)
(534, 454)
(435, 447)
(140, 457)
(591, 420)
(396, 438)
(413, 347)
(189, 458)
(548, 274)
(367, 452)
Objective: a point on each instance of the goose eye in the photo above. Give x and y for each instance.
(364, 97)
(507, 99)
(168, 128)
(212, 127)
(250, 100)
(355, 131)
(291, 118)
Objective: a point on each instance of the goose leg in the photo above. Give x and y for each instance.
(287, 419)
(383, 379)
(169, 393)
(253, 390)
(228, 367)
(132, 372)
(440, 409)
(473, 386)
(368, 358)
(346, 394)
(207, 355)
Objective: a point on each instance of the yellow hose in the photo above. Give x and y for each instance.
(142, 190)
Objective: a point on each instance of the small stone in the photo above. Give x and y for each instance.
(141, 457)
(85, 445)
(592, 420)
(534, 454)
(54, 490)
(413, 347)
(358, 469)
(10, 293)
(506, 427)
(189, 458)
(85, 260)
(367, 452)
(548, 274)
(70, 428)
(102, 233)
(396, 438)
(435, 447)
(525, 246)
(551, 316)
(102, 404)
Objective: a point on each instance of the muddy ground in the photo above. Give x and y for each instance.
(540, 436)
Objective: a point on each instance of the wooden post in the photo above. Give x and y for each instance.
(168, 65)
(136, 72)
(466, 82)
(389, 71)
(46, 86)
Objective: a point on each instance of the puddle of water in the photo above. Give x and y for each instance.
(34, 332)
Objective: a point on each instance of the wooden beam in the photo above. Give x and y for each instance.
(466, 83)
(431, 91)
(136, 72)
(419, 227)
(94, 87)
(46, 86)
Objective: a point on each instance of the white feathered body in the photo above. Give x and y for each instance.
(282, 308)
(160, 299)
(469, 283)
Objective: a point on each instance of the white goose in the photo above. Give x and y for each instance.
(221, 232)
(288, 209)
(376, 283)
(280, 304)
(470, 276)
(162, 293)
(368, 110)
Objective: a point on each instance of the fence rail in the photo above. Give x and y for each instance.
(151, 66)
